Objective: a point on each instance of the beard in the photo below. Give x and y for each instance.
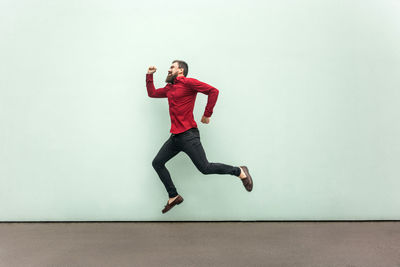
(171, 78)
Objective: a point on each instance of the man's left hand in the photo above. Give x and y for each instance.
(205, 119)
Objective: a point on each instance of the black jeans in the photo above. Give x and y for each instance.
(188, 142)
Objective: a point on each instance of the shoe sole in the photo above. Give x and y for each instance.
(174, 205)
(246, 170)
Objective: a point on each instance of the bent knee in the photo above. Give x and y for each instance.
(157, 163)
(205, 169)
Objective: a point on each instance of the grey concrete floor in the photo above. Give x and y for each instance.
(347, 244)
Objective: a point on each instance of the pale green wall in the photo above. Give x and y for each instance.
(309, 100)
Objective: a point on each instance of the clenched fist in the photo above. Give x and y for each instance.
(151, 70)
(205, 119)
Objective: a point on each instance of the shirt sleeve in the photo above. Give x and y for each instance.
(206, 89)
(152, 91)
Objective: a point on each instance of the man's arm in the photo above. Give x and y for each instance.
(206, 89)
(152, 91)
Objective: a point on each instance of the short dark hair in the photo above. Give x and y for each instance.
(182, 64)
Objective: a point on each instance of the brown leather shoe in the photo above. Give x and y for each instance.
(247, 182)
(169, 206)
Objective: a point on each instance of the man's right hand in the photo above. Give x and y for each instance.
(151, 70)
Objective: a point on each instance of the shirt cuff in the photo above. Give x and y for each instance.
(149, 77)
(207, 114)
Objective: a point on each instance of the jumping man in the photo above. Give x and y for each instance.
(181, 92)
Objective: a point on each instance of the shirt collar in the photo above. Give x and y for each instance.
(179, 78)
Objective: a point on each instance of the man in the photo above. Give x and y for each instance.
(181, 92)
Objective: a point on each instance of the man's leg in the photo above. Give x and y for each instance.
(167, 151)
(194, 149)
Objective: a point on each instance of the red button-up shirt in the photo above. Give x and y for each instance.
(181, 97)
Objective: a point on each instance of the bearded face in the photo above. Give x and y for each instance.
(173, 72)
(171, 77)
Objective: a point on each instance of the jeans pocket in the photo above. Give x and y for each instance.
(188, 135)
